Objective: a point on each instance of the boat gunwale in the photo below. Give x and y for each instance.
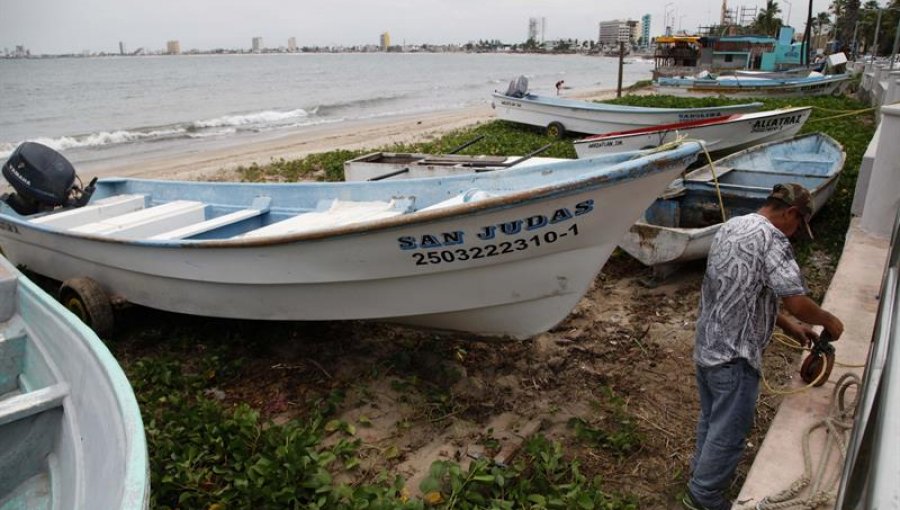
(624, 171)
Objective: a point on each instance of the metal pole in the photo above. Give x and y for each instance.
(855, 42)
(621, 62)
(896, 45)
(875, 42)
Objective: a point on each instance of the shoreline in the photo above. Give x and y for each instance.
(219, 163)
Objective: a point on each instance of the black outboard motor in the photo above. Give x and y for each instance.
(43, 180)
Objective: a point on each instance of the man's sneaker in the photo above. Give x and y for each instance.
(690, 503)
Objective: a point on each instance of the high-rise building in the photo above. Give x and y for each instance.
(616, 31)
(292, 44)
(533, 26)
(121, 48)
(385, 41)
(645, 31)
(173, 47)
(257, 44)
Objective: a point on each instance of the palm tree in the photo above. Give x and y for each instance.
(768, 22)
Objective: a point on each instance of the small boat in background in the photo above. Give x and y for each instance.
(680, 226)
(753, 86)
(720, 133)
(71, 435)
(560, 115)
(497, 253)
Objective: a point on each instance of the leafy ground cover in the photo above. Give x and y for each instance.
(597, 413)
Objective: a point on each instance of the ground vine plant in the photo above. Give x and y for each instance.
(213, 453)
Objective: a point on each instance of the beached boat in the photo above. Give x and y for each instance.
(751, 86)
(405, 165)
(496, 253)
(680, 227)
(560, 115)
(71, 435)
(720, 134)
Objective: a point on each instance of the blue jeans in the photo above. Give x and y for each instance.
(727, 403)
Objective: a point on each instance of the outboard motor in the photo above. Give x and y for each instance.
(517, 87)
(42, 179)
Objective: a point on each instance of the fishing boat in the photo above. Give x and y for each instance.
(71, 435)
(560, 115)
(720, 133)
(392, 165)
(753, 86)
(680, 226)
(496, 253)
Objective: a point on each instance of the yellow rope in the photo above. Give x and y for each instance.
(794, 344)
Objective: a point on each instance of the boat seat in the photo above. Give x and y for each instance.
(472, 195)
(31, 403)
(332, 213)
(259, 206)
(97, 211)
(148, 222)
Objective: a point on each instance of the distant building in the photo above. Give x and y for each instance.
(173, 48)
(121, 48)
(645, 31)
(533, 33)
(616, 31)
(257, 44)
(292, 44)
(385, 41)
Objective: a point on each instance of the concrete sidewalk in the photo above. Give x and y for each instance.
(853, 298)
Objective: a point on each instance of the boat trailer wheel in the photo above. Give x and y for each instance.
(556, 130)
(86, 299)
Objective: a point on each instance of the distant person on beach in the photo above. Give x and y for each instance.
(751, 267)
(559, 85)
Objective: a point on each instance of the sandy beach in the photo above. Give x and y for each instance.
(218, 163)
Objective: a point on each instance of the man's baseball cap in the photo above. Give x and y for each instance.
(795, 195)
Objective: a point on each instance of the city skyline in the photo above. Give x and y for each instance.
(53, 27)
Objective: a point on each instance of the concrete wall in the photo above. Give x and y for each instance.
(882, 197)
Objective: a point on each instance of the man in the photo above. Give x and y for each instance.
(751, 266)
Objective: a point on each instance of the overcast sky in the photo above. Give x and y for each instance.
(71, 26)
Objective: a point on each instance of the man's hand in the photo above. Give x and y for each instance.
(808, 311)
(800, 332)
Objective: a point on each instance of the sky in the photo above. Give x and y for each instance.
(73, 26)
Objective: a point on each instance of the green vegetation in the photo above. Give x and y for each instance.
(210, 454)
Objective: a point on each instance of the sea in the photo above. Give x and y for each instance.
(99, 108)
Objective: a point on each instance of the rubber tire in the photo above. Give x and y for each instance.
(88, 301)
(556, 130)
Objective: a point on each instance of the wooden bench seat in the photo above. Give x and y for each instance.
(332, 214)
(259, 206)
(97, 211)
(148, 222)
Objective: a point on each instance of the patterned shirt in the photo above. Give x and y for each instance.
(751, 265)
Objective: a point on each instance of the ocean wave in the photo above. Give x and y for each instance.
(328, 108)
(97, 139)
(264, 117)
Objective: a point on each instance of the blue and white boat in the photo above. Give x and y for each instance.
(680, 226)
(560, 115)
(498, 253)
(815, 84)
(71, 435)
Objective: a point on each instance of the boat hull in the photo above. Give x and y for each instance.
(421, 166)
(597, 118)
(732, 133)
(477, 271)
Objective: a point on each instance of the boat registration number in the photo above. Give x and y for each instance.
(433, 257)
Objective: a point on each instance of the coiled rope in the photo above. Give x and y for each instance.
(838, 424)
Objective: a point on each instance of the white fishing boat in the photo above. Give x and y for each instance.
(722, 133)
(496, 253)
(560, 115)
(680, 227)
(71, 435)
(753, 86)
(405, 165)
